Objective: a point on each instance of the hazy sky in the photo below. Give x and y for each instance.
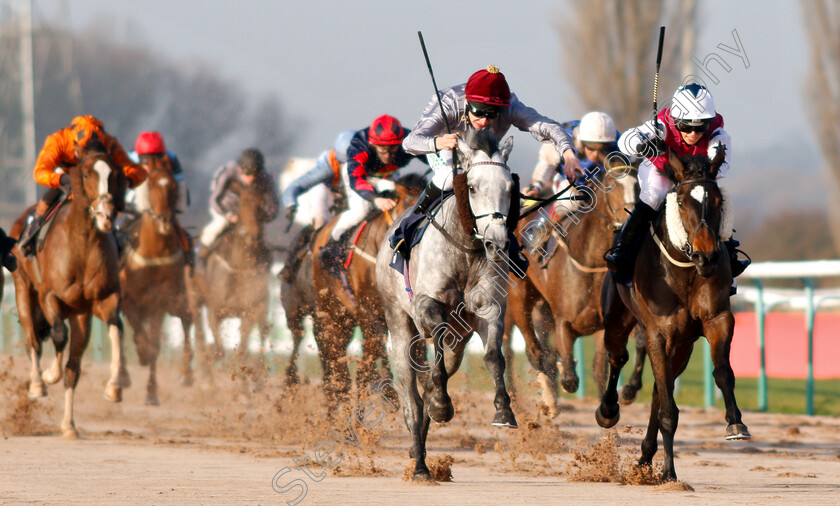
(337, 64)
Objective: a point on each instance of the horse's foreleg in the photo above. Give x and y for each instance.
(154, 325)
(565, 342)
(107, 310)
(79, 336)
(186, 359)
(58, 333)
(719, 333)
(293, 320)
(27, 306)
(374, 336)
(599, 362)
(495, 363)
(662, 365)
(649, 442)
(628, 392)
(539, 354)
(432, 322)
(618, 322)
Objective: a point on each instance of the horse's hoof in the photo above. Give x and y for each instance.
(505, 418)
(441, 413)
(292, 379)
(570, 385)
(113, 393)
(152, 400)
(49, 379)
(186, 380)
(422, 477)
(737, 432)
(607, 421)
(626, 395)
(70, 434)
(36, 390)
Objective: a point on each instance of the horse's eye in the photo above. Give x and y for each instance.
(680, 203)
(471, 188)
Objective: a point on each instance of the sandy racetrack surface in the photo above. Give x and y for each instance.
(225, 439)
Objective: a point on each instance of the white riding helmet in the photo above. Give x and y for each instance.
(692, 104)
(596, 127)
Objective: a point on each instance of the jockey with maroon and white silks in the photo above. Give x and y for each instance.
(690, 127)
(483, 102)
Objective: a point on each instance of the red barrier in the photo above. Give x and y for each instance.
(786, 345)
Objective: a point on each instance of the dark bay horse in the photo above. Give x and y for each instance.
(457, 273)
(234, 283)
(297, 295)
(570, 282)
(680, 291)
(75, 276)
(153, 277)
(340, 312)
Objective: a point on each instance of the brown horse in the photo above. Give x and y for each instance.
(75, 275)
(234, 284)
(153, 277)
(680, 291)
(298, 298)
(339, 312)
(570, 281)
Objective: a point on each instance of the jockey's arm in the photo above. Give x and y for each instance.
(53, 155)
(545, 129)
(135, 173)
(271, 206)
(641, 141)
(549, 160)
(430, 130)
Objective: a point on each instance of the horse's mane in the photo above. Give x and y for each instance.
(694, 167)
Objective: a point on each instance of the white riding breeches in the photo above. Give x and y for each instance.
(653, 185)
(358, 207)
(211, 231)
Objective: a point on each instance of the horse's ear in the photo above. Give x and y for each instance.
(717, 161)
(676, 164)
(507, 147)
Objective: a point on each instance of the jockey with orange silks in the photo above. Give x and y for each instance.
(690, 127)
(60, 152)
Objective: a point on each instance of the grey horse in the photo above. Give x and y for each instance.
(458, 274)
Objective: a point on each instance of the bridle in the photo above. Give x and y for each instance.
(496, 215)
(687, 248)
(105, 197)
(149, 212)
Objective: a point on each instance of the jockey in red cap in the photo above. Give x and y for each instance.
(373, 157)
(483, 102)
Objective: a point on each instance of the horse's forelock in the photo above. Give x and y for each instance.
(483, 141)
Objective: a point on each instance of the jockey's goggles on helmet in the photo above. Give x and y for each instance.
(480, 110)
(686, 127)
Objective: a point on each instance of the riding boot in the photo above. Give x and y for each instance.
(426, 199)
(8, 260)
(519, 262)
(736, 265)
(332, 256)
(31, 228)
(620, 257)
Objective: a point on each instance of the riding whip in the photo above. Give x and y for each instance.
(658, 61)
(440, 103)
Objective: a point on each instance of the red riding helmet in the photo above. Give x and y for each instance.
(488, 86)
(386, 131)
(149, 142)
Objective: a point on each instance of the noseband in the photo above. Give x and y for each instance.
(105, 197)
(496, 214)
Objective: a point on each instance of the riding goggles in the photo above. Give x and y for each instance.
(479, 110)
(687, 128)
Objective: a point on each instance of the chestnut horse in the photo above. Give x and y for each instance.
(153, 277)
(680, 291)
(75, 275)
(570, 281)
(339, 311)
(234, 284)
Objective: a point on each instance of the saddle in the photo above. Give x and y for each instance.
(40, 234)
(410, 231)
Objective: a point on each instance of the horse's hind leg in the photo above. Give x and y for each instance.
(719, 333)
(627, 393)
(153, 327)
(186, 378)
(618, 322)
(79, 335)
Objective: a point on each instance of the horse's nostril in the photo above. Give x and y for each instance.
(489, 246)
(696, 257)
